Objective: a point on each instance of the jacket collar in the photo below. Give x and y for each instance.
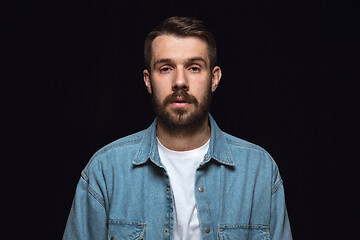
(218, 148)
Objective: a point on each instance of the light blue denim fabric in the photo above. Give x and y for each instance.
(125, 193)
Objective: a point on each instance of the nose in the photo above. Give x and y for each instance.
(180, 81)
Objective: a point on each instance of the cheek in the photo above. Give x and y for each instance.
(156, 85)
(161, 82)
(158, 91)
(201, 89)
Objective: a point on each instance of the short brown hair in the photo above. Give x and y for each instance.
(182, 27)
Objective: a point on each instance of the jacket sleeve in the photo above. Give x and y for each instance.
(87, 218)
(279, 225)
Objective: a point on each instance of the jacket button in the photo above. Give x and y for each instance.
(207, 230)
(112, 238)
(166, 230)
(201, 189)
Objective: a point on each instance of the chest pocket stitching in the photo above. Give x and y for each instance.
(137, 225)
(263, 228)
(123, 222)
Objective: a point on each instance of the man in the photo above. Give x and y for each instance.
(182, 178)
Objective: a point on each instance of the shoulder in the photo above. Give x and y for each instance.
(249, 155)
(120, 151)
(121, 144)
(238, 143)
(243, 150)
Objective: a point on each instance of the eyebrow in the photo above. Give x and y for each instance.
(167, 60)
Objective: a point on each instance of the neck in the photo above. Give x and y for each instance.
(183, 140)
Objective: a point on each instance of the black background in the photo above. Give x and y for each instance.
(74, 83)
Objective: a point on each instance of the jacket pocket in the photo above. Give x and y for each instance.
(121, 230)
(244, 232)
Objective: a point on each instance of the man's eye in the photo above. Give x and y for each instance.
(195, 69)
(165, 69)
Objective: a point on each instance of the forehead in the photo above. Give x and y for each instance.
(178, 48)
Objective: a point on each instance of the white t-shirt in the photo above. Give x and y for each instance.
(181, 167)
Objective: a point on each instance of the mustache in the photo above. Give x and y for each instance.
(180, 94)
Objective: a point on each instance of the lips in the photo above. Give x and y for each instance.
(180, 102)
(180, 98)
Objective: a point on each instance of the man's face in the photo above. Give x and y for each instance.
(181, 81)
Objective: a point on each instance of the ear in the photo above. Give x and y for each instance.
(146, 76)
(216, 76)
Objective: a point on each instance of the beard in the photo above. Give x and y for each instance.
(180, 120)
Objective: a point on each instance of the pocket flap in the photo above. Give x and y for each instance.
(119, 229)
(253, 232)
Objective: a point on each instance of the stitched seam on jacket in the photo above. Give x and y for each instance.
(276, 186)
(96, 196)
(115, 145)
(123, 222)
(247, 145)
(107, 148)
(92, 192)
(261, 227)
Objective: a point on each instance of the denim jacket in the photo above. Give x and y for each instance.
(124, 192)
